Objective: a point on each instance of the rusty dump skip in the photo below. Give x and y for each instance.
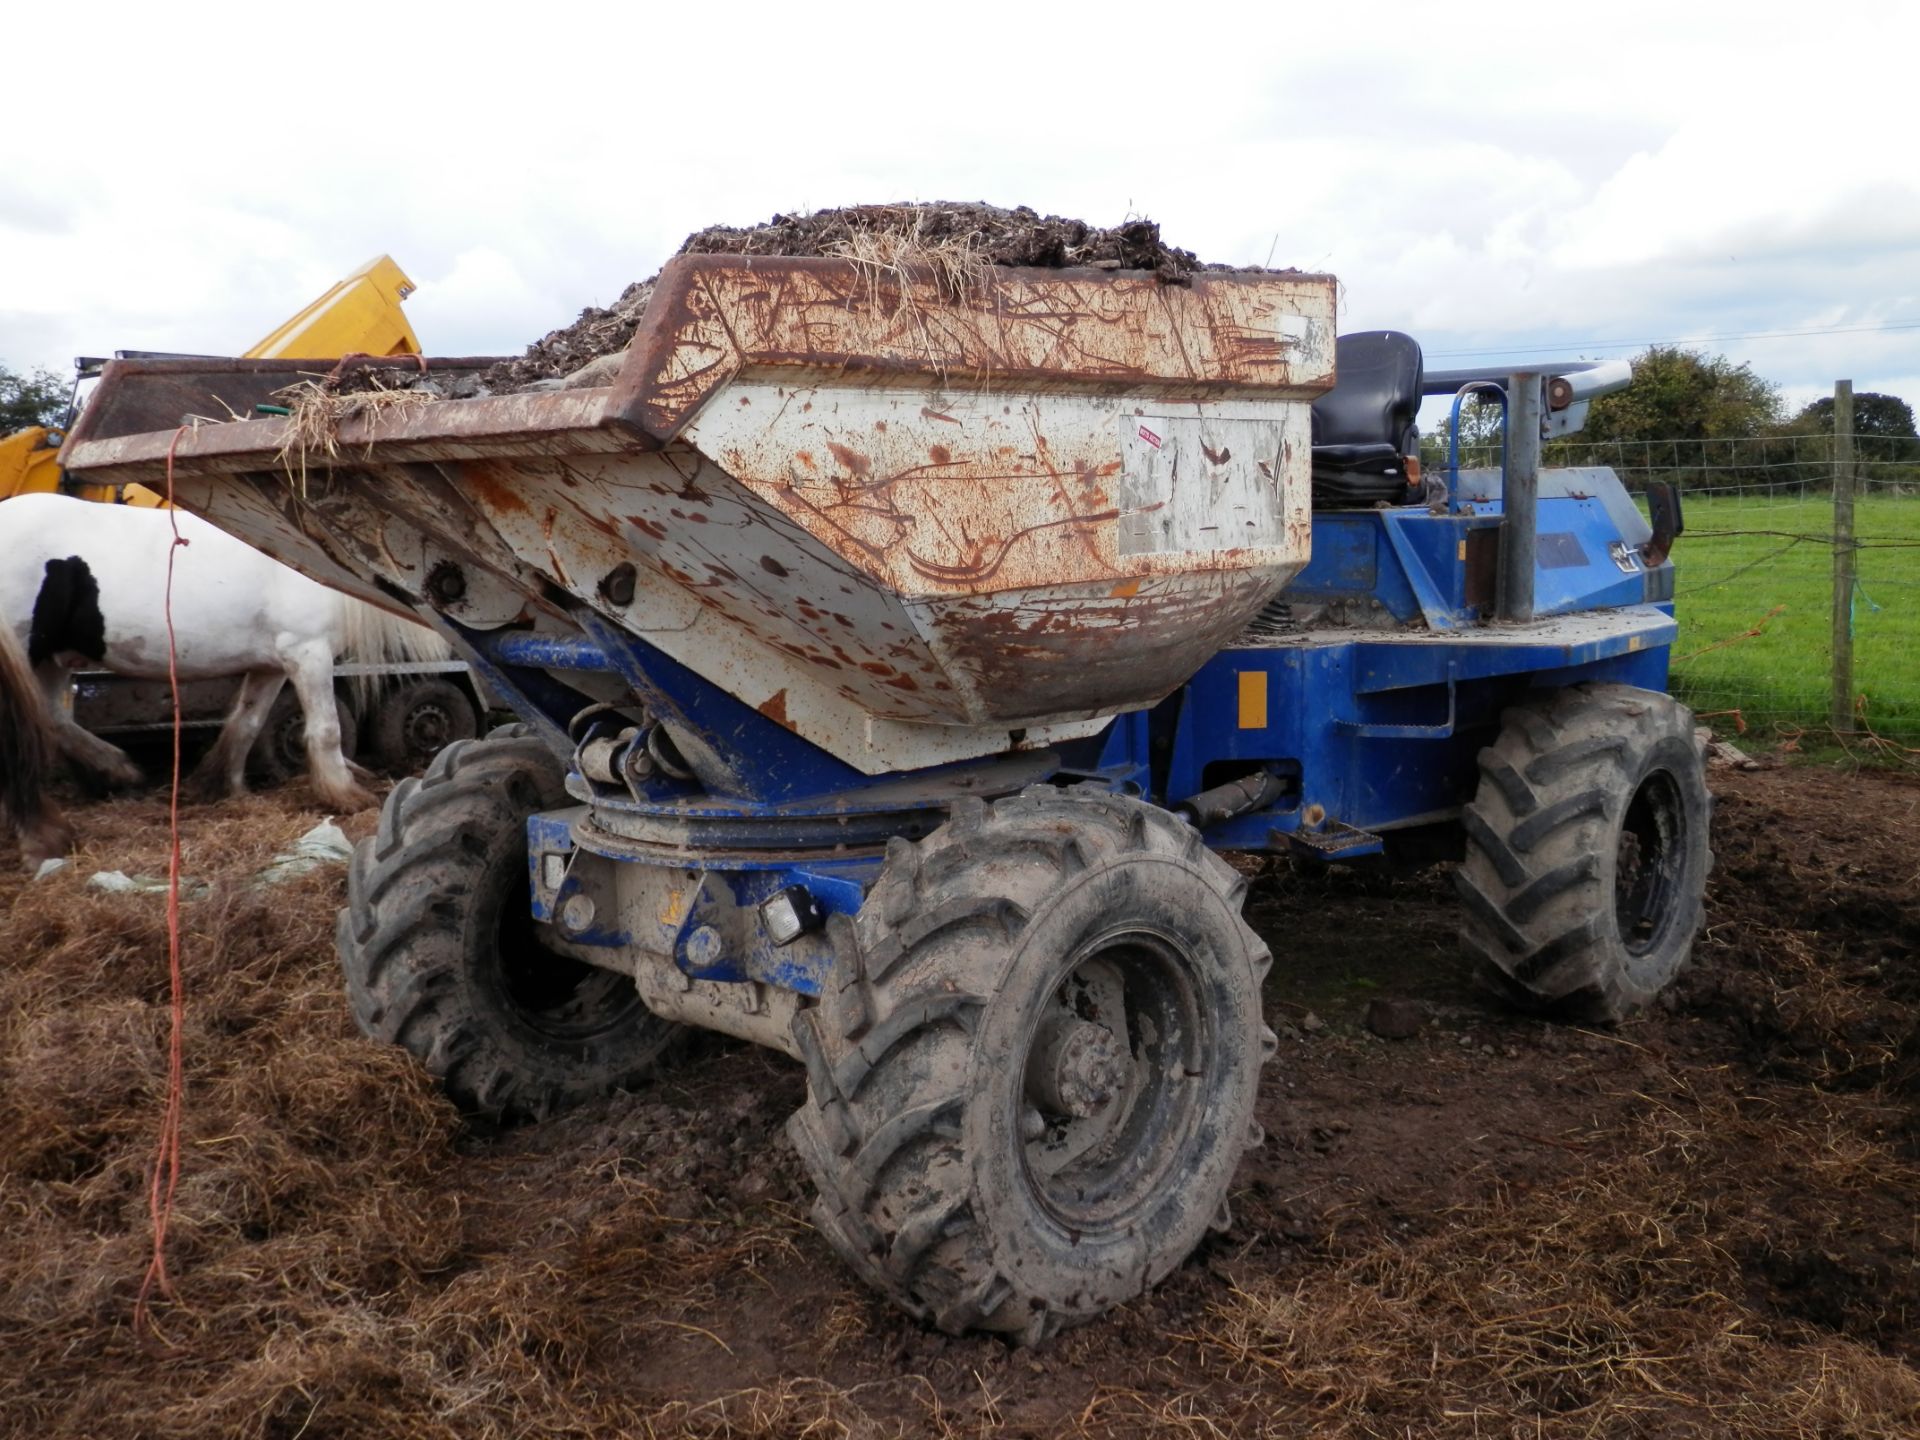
(900, 520)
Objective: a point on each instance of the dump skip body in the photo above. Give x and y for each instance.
(905, 521)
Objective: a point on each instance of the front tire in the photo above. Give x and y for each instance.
(442, 955)
(1587, 851)
(1033, 1073)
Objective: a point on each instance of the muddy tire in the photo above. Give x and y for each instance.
(442, 955)
(416, 720)
(279, 752)
(1587, 852)
(1033, 1073)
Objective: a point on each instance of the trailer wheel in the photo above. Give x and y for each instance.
(1033, 1073)
(1587, 851)
(279, 752)
(417, 719)
(443, 957)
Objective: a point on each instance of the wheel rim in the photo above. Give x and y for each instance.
(1112, 1081)
(427, 730)
(554, 995)
(1649, 861)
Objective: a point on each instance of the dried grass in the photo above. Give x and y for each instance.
(1737, 1258)
(316, 411)
(1618, 1302)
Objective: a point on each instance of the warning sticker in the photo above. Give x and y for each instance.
(1151, 438)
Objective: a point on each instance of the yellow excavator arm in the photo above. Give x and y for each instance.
(360, 315)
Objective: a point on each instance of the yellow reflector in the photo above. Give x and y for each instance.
(1253, 699)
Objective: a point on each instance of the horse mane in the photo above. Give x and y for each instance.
(27, 752)
(372, 636)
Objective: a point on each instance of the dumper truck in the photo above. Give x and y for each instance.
(895, 659)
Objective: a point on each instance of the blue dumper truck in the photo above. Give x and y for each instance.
(892, 664)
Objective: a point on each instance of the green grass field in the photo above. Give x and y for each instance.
(1740, 569)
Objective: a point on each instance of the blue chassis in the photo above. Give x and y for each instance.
(1370, 727)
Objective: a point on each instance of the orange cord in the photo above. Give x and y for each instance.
(166, 1161)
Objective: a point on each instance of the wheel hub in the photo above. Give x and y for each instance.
(1081, 1074)
(428, 728)
(1077, 1068)
(1647, 863)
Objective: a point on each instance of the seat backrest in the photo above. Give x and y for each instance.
(1376, 392)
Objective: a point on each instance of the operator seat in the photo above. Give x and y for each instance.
(1364, 429)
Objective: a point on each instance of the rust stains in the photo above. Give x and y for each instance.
(773, 566)
(940, 455)
(494, 492)
(774, 707)
(939, 415)
(1218, 457)
(854, 461)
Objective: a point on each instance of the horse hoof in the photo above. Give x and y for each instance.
(347, 799)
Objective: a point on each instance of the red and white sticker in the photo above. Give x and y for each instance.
(1151, 438)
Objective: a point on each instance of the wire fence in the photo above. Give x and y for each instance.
(1756, 580)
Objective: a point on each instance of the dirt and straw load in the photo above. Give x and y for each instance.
(1701, 1224)
(961, 241)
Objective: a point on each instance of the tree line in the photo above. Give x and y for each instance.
(1702, 420)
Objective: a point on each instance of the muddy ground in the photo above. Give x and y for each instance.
(1703, 1223)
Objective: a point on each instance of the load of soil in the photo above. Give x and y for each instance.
(1698, 1224)
(1020, 237)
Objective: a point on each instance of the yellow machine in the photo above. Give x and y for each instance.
(360, 315)
(30, 461)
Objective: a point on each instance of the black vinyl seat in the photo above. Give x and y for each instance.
(1365, 428)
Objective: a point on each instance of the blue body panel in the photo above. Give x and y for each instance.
(1367, 691)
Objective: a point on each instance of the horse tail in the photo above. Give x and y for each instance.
(372, 636)
(27, 752)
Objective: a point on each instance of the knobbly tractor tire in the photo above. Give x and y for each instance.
(443, 957)
(415, 720)
(1033, 1071)
(1587, 851)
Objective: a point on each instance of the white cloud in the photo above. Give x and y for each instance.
(1640, 171)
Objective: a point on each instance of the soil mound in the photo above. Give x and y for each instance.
(988, 233)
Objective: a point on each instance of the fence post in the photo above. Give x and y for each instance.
(1840, 715)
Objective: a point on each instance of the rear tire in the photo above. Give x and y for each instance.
(417, 719)
(1033, 1073)
(442, 955)
(1587, 851)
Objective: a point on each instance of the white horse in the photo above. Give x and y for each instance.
(84, 586)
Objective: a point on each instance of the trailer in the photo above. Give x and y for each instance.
(398, 715)
(894, 659)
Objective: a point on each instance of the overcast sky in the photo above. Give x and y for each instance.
(1530, 180)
